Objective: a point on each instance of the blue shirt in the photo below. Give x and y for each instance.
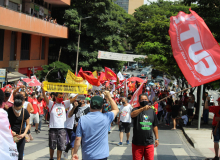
(93, 129)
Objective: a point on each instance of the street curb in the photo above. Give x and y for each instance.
(189, 139)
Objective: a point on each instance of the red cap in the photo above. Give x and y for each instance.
(218, 99)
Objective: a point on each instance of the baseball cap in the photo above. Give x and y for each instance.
(88, 99)
(218, 99)
(96, 102)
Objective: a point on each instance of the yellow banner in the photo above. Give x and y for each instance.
(72, 79)
(65, 88)
(95, 74)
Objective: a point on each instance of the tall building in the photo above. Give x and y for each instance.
(25, 34)
(130, 5)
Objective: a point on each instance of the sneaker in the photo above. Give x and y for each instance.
(119, 144)
(127, 142)
(37, 131)
(65, 154)
(215, 158)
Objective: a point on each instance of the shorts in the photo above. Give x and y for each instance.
(34, 117)
(138, 152)
(217, 136)
(57, 138)
(190, 112)
(124, 127)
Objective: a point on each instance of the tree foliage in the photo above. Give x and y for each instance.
(53, 74)
(105, 30)
(148, 34)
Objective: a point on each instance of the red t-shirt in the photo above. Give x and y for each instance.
(34, 104)
(41, 106)
(30, 99)
(215, 110)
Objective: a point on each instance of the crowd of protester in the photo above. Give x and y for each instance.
(65, 111)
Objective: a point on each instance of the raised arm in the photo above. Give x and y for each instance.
(137, 112)
(72, 100)
(44, 95)
(112, 103)
(17, 89)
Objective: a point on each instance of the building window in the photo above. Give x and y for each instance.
(25, 46)
(1, 2)
(2, 33)
(13, 6)
(13, 46)
(43, 48)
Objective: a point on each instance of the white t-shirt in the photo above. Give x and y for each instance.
(58, 113)
(25, 104)
(69, 121)
(172, 93)
(125, 113)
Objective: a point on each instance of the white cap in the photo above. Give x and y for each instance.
(72, 95)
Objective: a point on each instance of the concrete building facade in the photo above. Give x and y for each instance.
(24, 34)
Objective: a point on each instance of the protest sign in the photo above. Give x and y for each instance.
(65, 88)
(195, 49)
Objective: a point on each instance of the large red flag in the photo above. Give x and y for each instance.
(135, 79)
(102, 77)
(135, 98)
(92, 80)
(109, 74)
(32, 82)
(194, 48)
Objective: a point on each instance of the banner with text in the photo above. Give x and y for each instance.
(194, 48)
(65, 88)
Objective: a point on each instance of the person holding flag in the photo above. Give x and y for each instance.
(145, 123)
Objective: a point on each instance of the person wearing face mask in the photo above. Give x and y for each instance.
(6, 104)
(145, 124)
(57, 132)
(17, 117)
(41, 106)
(124, 120)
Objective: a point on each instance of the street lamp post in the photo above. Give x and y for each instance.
(77, 56)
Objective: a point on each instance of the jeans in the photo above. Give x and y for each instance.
(40, 121)
(72, 137)
(168, 119)
(205, 115)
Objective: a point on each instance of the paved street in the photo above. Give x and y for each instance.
(173, 146)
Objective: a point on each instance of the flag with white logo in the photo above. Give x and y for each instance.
(194, 48)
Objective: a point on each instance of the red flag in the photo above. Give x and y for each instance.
(19, 84)
(7, 86)
(194, 48)
(107, 83)
(92, 80)
(135, 79)
(135, 98)
(102, 77)
(109, 74)
(131, 86)
(89, 73)
(32, 82)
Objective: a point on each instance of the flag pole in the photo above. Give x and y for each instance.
(200, 107)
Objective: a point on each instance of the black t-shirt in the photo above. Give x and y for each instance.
(143, 127)
(15, 122)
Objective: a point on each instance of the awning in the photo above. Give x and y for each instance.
(14, 76)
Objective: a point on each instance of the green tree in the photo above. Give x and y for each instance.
(105, 30)
(53, 69)
(148, 34)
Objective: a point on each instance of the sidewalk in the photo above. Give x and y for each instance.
(201, 139)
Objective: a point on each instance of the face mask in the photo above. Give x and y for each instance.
(18, 111)
(120, 103)
(123, 103)
(144, 103)
(59, 100)
(7, 94)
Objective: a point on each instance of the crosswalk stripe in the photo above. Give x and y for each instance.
(180, 153)
(30, 144)
(37, 154)
(117, 151)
